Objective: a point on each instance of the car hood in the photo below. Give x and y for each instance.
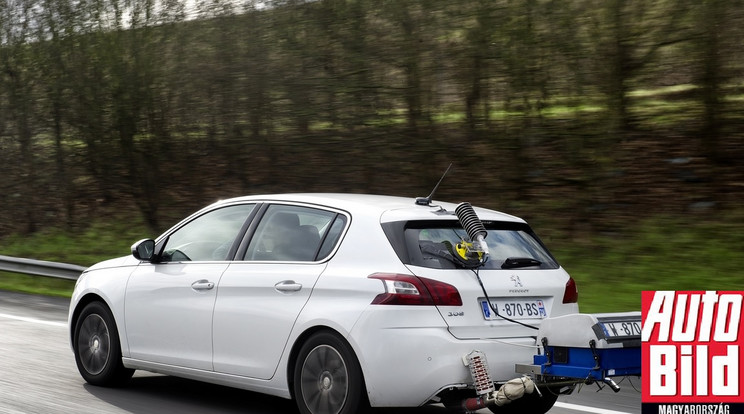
(117, 262)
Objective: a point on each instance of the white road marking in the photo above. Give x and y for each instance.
(567, 406)
(32, 320)
(586, 409)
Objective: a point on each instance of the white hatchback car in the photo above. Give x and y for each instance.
(339, 301)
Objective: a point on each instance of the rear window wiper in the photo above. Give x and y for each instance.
(517, 262)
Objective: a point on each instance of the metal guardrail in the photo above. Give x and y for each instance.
(40, 267)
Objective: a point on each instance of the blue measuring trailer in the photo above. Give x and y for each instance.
(588, 348)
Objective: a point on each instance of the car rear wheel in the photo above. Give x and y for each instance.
(327, 377)
(97, 347)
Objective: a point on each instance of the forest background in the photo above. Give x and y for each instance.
(614, 126)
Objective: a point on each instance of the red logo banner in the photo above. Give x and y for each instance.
(691, 346)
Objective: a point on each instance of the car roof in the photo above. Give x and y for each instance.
(387, 208)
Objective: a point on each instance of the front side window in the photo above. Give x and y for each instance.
(510, 245)
(294, 233)
(208, 237)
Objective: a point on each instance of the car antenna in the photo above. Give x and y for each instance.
(426, 201)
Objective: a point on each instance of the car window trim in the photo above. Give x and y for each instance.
(250, 231)
(248, 224)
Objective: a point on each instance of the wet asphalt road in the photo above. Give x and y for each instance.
(38, 375)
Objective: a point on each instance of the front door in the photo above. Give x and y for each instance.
(168, 313)
(169, 304)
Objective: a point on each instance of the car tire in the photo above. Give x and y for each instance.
(97, 347)
(529, 403)
(327, 377)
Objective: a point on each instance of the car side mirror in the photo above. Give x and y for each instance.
(144, 250)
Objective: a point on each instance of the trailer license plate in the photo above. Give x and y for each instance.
(622, 329)
(522, 308)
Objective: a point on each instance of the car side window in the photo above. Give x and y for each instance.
(290, 233)
(332, 236)
(207, 237)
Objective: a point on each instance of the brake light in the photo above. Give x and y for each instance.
(417, 291)
(571, 294)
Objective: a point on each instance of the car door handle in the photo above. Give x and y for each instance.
(288, 286)
(203, 284)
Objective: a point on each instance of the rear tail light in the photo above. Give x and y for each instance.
(413, 290)
(571, 294)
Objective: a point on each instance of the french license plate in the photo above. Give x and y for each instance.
(521, 308)
(621, 329)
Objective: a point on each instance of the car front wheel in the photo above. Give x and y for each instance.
(97, 347)
(327, 377)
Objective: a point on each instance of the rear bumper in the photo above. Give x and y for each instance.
(425, 359)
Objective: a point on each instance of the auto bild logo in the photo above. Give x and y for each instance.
(691, 347)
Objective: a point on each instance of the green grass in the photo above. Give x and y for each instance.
(36, 284)
(101, 240)
(665, 253)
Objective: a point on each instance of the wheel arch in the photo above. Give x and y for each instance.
(111, 372)
(80, 305)
(301, 339)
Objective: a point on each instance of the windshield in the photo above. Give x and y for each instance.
(510, 245)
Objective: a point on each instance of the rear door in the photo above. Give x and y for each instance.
(260, 296)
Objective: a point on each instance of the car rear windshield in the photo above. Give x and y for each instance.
(431, 244)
